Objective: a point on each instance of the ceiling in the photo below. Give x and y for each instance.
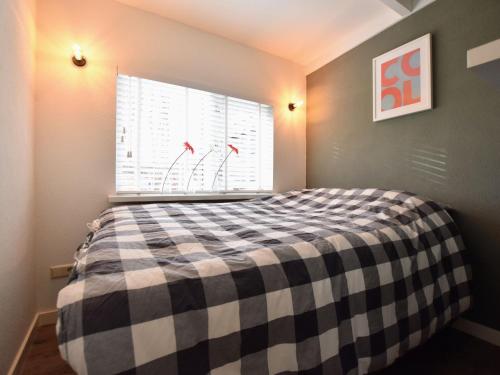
(308, 32)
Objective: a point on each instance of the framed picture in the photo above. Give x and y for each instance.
(402, 80)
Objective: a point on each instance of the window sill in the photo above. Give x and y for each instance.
(130, 198)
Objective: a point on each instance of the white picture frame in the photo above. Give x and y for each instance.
(402, 80)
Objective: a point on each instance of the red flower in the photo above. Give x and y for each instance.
(233, 148)
(187, 146)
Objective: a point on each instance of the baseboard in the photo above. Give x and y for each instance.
(18, 359)
(40, 319)
(478, 330)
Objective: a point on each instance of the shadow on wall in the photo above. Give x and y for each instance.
(429, 163)
(335, 151)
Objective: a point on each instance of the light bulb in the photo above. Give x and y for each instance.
(77, 52)
(78, 58)
(293, 106)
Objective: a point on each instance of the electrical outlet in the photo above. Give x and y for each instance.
(61, 270)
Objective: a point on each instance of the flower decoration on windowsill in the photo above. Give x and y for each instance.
(233, 149)
(187, 147)
(196, 166)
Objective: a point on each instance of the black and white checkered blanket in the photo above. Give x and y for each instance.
(314, 281)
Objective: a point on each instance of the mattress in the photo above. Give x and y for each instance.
(312, 281)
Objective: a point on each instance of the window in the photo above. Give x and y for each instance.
(172, 138)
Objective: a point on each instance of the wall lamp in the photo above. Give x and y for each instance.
(78, 59)
(293, 106)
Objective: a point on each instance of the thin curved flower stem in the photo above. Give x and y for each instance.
(169, 169)
(196, 166)
(220, 167)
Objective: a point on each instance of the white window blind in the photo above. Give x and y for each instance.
(231, 140)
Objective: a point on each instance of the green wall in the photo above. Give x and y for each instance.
(450, 153)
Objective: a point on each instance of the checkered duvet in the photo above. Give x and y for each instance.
(314, 281)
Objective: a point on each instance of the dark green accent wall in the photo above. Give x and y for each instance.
(450, 153)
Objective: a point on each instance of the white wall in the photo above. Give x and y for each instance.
(17, 263)
(75, 108)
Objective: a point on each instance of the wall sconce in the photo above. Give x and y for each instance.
(78, 59)
(293, 106)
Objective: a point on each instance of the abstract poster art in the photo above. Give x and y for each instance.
(402, 80)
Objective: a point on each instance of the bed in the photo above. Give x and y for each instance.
(312, 281)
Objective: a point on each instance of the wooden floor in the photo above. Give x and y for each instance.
(448, 353)
(42, 357)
